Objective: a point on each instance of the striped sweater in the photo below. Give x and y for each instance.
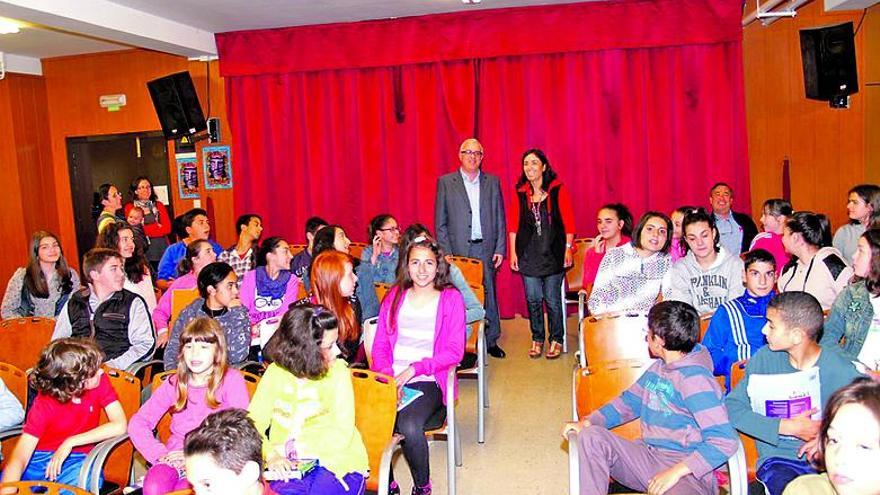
(681, 410)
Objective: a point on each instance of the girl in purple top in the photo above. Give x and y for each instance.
(199, 254)
(420, 336)
(774, 214)
(203, 384)
(271, 287)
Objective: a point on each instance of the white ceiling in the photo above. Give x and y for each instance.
(186, 27)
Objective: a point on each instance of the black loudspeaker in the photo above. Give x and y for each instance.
(213, 130)
(829, 60)
(177, 105)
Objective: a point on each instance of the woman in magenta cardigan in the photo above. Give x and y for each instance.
(270, 288)
(425, 314)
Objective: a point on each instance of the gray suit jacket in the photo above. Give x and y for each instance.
(452, 214)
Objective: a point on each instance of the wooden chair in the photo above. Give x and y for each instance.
(355, 249)
(114, 456)
(381, 290)
(22, 340)
(471, 268)
(572, 286)
(704, 324)
(180, 299)
(613, 337)
(449, 433)
(476, 344)
(737, 372)
(295, 249)
(375, 411)
(43, 487)
(595, 386)
(301, 292)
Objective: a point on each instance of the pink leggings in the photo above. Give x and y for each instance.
(161, 479)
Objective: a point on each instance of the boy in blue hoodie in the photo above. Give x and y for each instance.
(685, 430)
(736, 330)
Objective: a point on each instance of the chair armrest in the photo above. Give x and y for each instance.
(573, 464)
(11, 432)
(385, 463)
(138, 369)
(94, 463)
(738, 471)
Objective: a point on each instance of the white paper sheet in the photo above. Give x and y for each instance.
(786, 395)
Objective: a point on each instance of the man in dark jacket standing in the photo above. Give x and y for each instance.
(737, 229)
(469, 219)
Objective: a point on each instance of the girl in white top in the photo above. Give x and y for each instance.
(119, 236)
(815, 266)
(630, 276)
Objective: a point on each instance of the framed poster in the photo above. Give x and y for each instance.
(188, 176)
(217, 167)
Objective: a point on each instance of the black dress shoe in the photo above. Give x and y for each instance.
(496, 352)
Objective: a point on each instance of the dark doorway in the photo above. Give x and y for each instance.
(118, 159)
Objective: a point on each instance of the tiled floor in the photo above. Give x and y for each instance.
(523, 453)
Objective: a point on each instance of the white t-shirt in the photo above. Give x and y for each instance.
(870, 353)
(415, 338)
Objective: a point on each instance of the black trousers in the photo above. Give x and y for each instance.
(412, 422)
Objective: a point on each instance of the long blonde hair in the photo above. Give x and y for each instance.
(201, 330)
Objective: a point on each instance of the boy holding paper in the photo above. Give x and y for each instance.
(787, 425)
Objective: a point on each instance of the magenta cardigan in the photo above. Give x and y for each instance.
(248, 294)
(449, 339)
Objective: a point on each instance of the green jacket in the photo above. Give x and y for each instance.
(850, 318)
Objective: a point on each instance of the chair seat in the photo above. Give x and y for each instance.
(437, 422)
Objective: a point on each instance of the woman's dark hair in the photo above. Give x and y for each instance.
(376, 224)
(64, 366)
(104, 191)
(34, 280)
(324, 239)
(637, 234)
(699, 215)
(211, 276)
(814, 228)
(872, 281)
(132, 188)
(778, 207)
(870, 194)
(192, 250)
(863, 390)
(136, 266)
(404, 281)
(406, 238)
(547, 177)
(296, 345)
(623, 215)
(267, 247)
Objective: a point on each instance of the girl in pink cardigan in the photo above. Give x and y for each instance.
(420, 336)
(202, 385)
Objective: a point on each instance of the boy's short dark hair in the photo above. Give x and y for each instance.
(64, 366)
(95, 259)
(229, 437)
(719, 184)
(758, 256)
(104, 190)
(245, 220)
(315, 223)
(677, 323)
(800, 310)
(187, 219)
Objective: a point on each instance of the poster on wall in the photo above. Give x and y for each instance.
(217, 167)
(188, 176)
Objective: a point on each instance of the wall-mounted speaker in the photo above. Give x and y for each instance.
(829, 59)
(177, 105)
(213, 130)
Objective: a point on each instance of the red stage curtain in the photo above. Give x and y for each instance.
(652, 127)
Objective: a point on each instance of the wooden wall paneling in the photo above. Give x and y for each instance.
(826, 146)
(870, 85)
(12, 228)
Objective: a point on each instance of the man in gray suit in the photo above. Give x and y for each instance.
(469, 219)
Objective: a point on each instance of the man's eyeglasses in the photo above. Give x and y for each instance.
(475, 154)
(390, 229)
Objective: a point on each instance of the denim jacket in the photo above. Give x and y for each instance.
(850, 319)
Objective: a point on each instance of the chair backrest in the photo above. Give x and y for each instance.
(471, 344)
(471, 269)
(597, 385)
(375, 409)
(611, 338)
(295, 249)
(22, 340)
(45, 487)
(16, 381)
(381, 290)
(574, 276)
(356, 248)
(737, 372)
(127, 386)
(369, 334)
(704, 324)
(180, 299)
